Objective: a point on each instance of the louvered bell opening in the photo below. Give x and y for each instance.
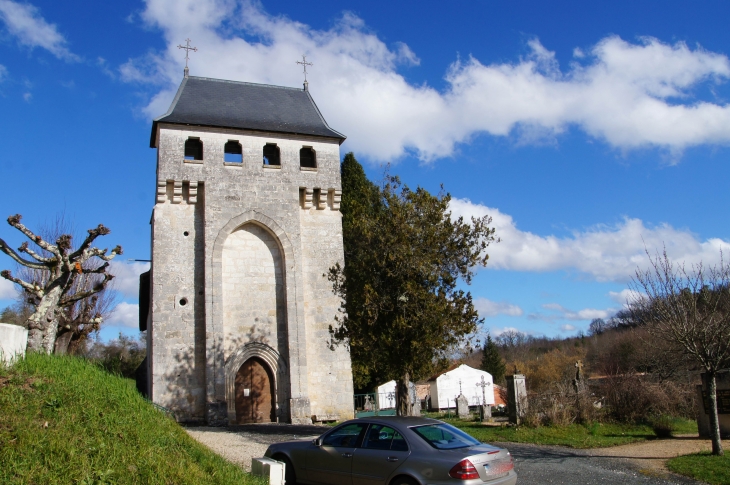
(233, 153)
(271, 154)
(193, 149)
(307, 158)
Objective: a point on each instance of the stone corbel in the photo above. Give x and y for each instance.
(336, 199)
(193, 192)
(161, 191)
(308, 196)
(177, 192)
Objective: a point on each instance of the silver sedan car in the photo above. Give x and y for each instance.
(393, 450)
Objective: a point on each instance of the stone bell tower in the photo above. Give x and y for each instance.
(246, 224)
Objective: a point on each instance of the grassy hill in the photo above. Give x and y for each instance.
(65, 421)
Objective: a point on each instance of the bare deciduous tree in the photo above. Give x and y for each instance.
(63, 279)
(690, 309)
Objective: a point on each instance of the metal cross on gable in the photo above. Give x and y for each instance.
(304, 63)
(187, 53)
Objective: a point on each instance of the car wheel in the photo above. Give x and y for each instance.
(403, 481)
(290, 476)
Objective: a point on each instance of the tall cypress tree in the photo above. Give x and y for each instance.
(492, 362)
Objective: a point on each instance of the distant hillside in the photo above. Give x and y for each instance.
(65, 421)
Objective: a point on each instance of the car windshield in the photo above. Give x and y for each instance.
(444, 436)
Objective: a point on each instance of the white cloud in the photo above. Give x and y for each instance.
(628, 94)
(624, 296)
(8, 291)
(496, 332)
(603, 252)
(27, 97)
(489, 308)
(3, 73)
(24, 21)
(559, 312)
(126, 277)
(567, 327)
(124, 315)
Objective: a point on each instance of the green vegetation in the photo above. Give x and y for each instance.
(594, 435)
(492, 362)
(703, 466)
(405, 260)
(64, 420)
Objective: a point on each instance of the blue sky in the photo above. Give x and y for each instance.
(588, 131)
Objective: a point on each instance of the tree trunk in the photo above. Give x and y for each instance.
(403, 395)
(43, 324)
(714, 419)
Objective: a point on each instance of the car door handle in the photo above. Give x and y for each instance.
(347, 455)
(392, 458)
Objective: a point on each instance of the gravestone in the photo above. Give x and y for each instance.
(462, 406)
(485, 412)
(516, 398)
(13, 340)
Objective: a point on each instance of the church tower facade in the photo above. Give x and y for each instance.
(246, 224)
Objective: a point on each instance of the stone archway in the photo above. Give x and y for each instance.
(272, 362)
(255, 393)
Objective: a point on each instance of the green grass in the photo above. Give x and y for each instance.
(66, 421)
(595, 435)
(703, 466)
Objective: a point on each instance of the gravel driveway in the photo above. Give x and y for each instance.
(535, 465)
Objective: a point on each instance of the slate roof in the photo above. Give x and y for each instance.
(203, 101)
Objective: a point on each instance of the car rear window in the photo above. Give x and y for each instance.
(444, 436)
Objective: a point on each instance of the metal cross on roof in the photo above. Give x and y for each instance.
(304, 63)
(187, 53)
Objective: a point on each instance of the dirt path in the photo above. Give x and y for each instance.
(239, 444)
(651, 456)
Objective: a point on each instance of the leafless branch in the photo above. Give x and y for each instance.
(10, 252)
(15, 222)
(100, 230)
(25, 249)
(85, 294)
(36, 290)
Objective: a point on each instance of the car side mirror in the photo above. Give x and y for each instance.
(317, 442)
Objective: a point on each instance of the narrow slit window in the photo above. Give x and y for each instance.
(307, 158)
(233, 153)
(271, 154)
(193, 149)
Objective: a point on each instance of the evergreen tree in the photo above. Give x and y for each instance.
(404, 256)
(492, 362)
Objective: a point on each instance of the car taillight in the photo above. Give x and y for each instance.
(464, 470)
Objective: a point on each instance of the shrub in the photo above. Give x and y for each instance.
(662, 426)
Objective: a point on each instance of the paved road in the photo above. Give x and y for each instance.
(541, 465)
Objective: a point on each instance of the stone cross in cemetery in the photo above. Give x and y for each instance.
(485, 409)
(578, 382)
(236, 309)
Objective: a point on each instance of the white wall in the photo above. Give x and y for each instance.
(446, 387)
(13, 340)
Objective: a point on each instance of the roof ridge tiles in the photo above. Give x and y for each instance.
(202, 101)
(230, 81)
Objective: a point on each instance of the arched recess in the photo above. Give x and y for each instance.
(278, 367)
(295, 386)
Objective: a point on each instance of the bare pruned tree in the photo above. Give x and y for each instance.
(689, 309)
(62, 282)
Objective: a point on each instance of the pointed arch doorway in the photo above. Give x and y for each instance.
(255, 395)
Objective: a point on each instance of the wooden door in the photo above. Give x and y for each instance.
(255, 393)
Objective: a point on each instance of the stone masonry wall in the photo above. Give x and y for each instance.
(246, 195)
